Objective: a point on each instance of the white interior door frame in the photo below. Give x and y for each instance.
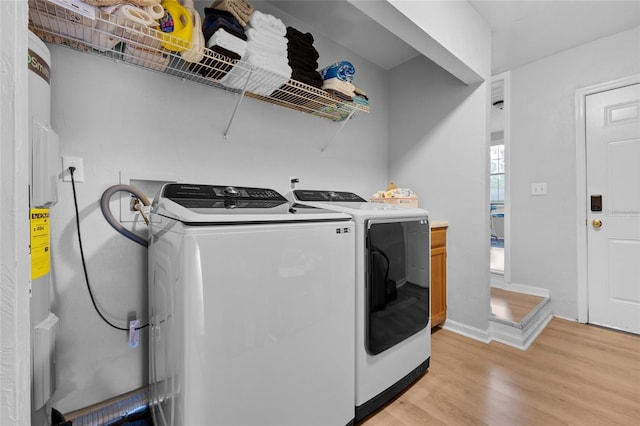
(505, 77)
(581, 185)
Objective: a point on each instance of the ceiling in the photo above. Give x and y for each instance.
(523, 30)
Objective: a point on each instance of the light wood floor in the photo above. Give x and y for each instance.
(573, 374)
(512, 306)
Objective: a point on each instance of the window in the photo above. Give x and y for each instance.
(497, 174)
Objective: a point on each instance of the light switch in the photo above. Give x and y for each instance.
(539, 188)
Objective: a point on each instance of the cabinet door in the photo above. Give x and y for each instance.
(438, 276)
(438, 285)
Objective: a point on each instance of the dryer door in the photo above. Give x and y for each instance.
(398, 281)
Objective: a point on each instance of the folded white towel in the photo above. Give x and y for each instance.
(270, 63)
(266, 22)
(230, 42)
(266, 37)
(265, 50)
(268, 74)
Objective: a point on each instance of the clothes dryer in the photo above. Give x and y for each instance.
(392, 282)
(251, 309)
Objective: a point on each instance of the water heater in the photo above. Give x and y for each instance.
(43, 177)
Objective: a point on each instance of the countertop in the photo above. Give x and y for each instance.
(439, 224)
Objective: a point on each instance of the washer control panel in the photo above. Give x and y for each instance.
(221, 196)
(327, 196)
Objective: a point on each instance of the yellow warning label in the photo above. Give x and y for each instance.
(40, 259)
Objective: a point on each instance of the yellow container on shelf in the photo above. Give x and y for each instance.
(176, 26)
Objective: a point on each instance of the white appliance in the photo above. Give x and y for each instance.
(393, 332)
(43, 177)
(251, 309)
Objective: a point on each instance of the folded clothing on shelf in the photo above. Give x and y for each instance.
(311, 78)
(302, 57)
(360, 97)
(103, 3)
(215, 19)
(223, 35)
(225, 39)
(342, 70)
(267, 42)
(268, 23)
(213, 68)
(266, 54)
(242, 10)
(343, 89)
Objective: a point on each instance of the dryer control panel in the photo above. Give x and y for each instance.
(221, 196)
(327, 196)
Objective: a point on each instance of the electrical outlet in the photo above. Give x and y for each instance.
(78, 173)
(539, 188)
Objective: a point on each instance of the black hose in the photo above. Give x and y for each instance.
(84, 263)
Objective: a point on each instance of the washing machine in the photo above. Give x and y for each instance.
(251, 309)
(393, 332)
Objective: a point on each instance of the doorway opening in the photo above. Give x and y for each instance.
(498, 176)
(591, 134)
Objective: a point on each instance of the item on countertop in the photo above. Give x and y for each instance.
(342, 70)
(139, 3)
(394, 195)
(176, 26)
(195, 52)
(215, 19)
(240, 9)
(269, 23)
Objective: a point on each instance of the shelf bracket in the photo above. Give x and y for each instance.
(235, 109)
(324, 148)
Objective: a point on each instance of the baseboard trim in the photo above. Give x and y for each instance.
(467, 331)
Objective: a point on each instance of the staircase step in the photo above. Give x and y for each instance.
(522, 334)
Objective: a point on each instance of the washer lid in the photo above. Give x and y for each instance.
(212, 204)
(354, 205)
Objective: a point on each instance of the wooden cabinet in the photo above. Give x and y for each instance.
(438, 275)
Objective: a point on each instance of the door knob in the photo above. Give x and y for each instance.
(597, 223)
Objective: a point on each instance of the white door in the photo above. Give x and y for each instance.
(613, 207)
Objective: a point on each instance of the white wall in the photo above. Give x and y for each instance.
(438, 146)
(15, 365)
(146, 125)
(467, 43)
(543, 228)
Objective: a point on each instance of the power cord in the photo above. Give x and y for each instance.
(84, 264)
